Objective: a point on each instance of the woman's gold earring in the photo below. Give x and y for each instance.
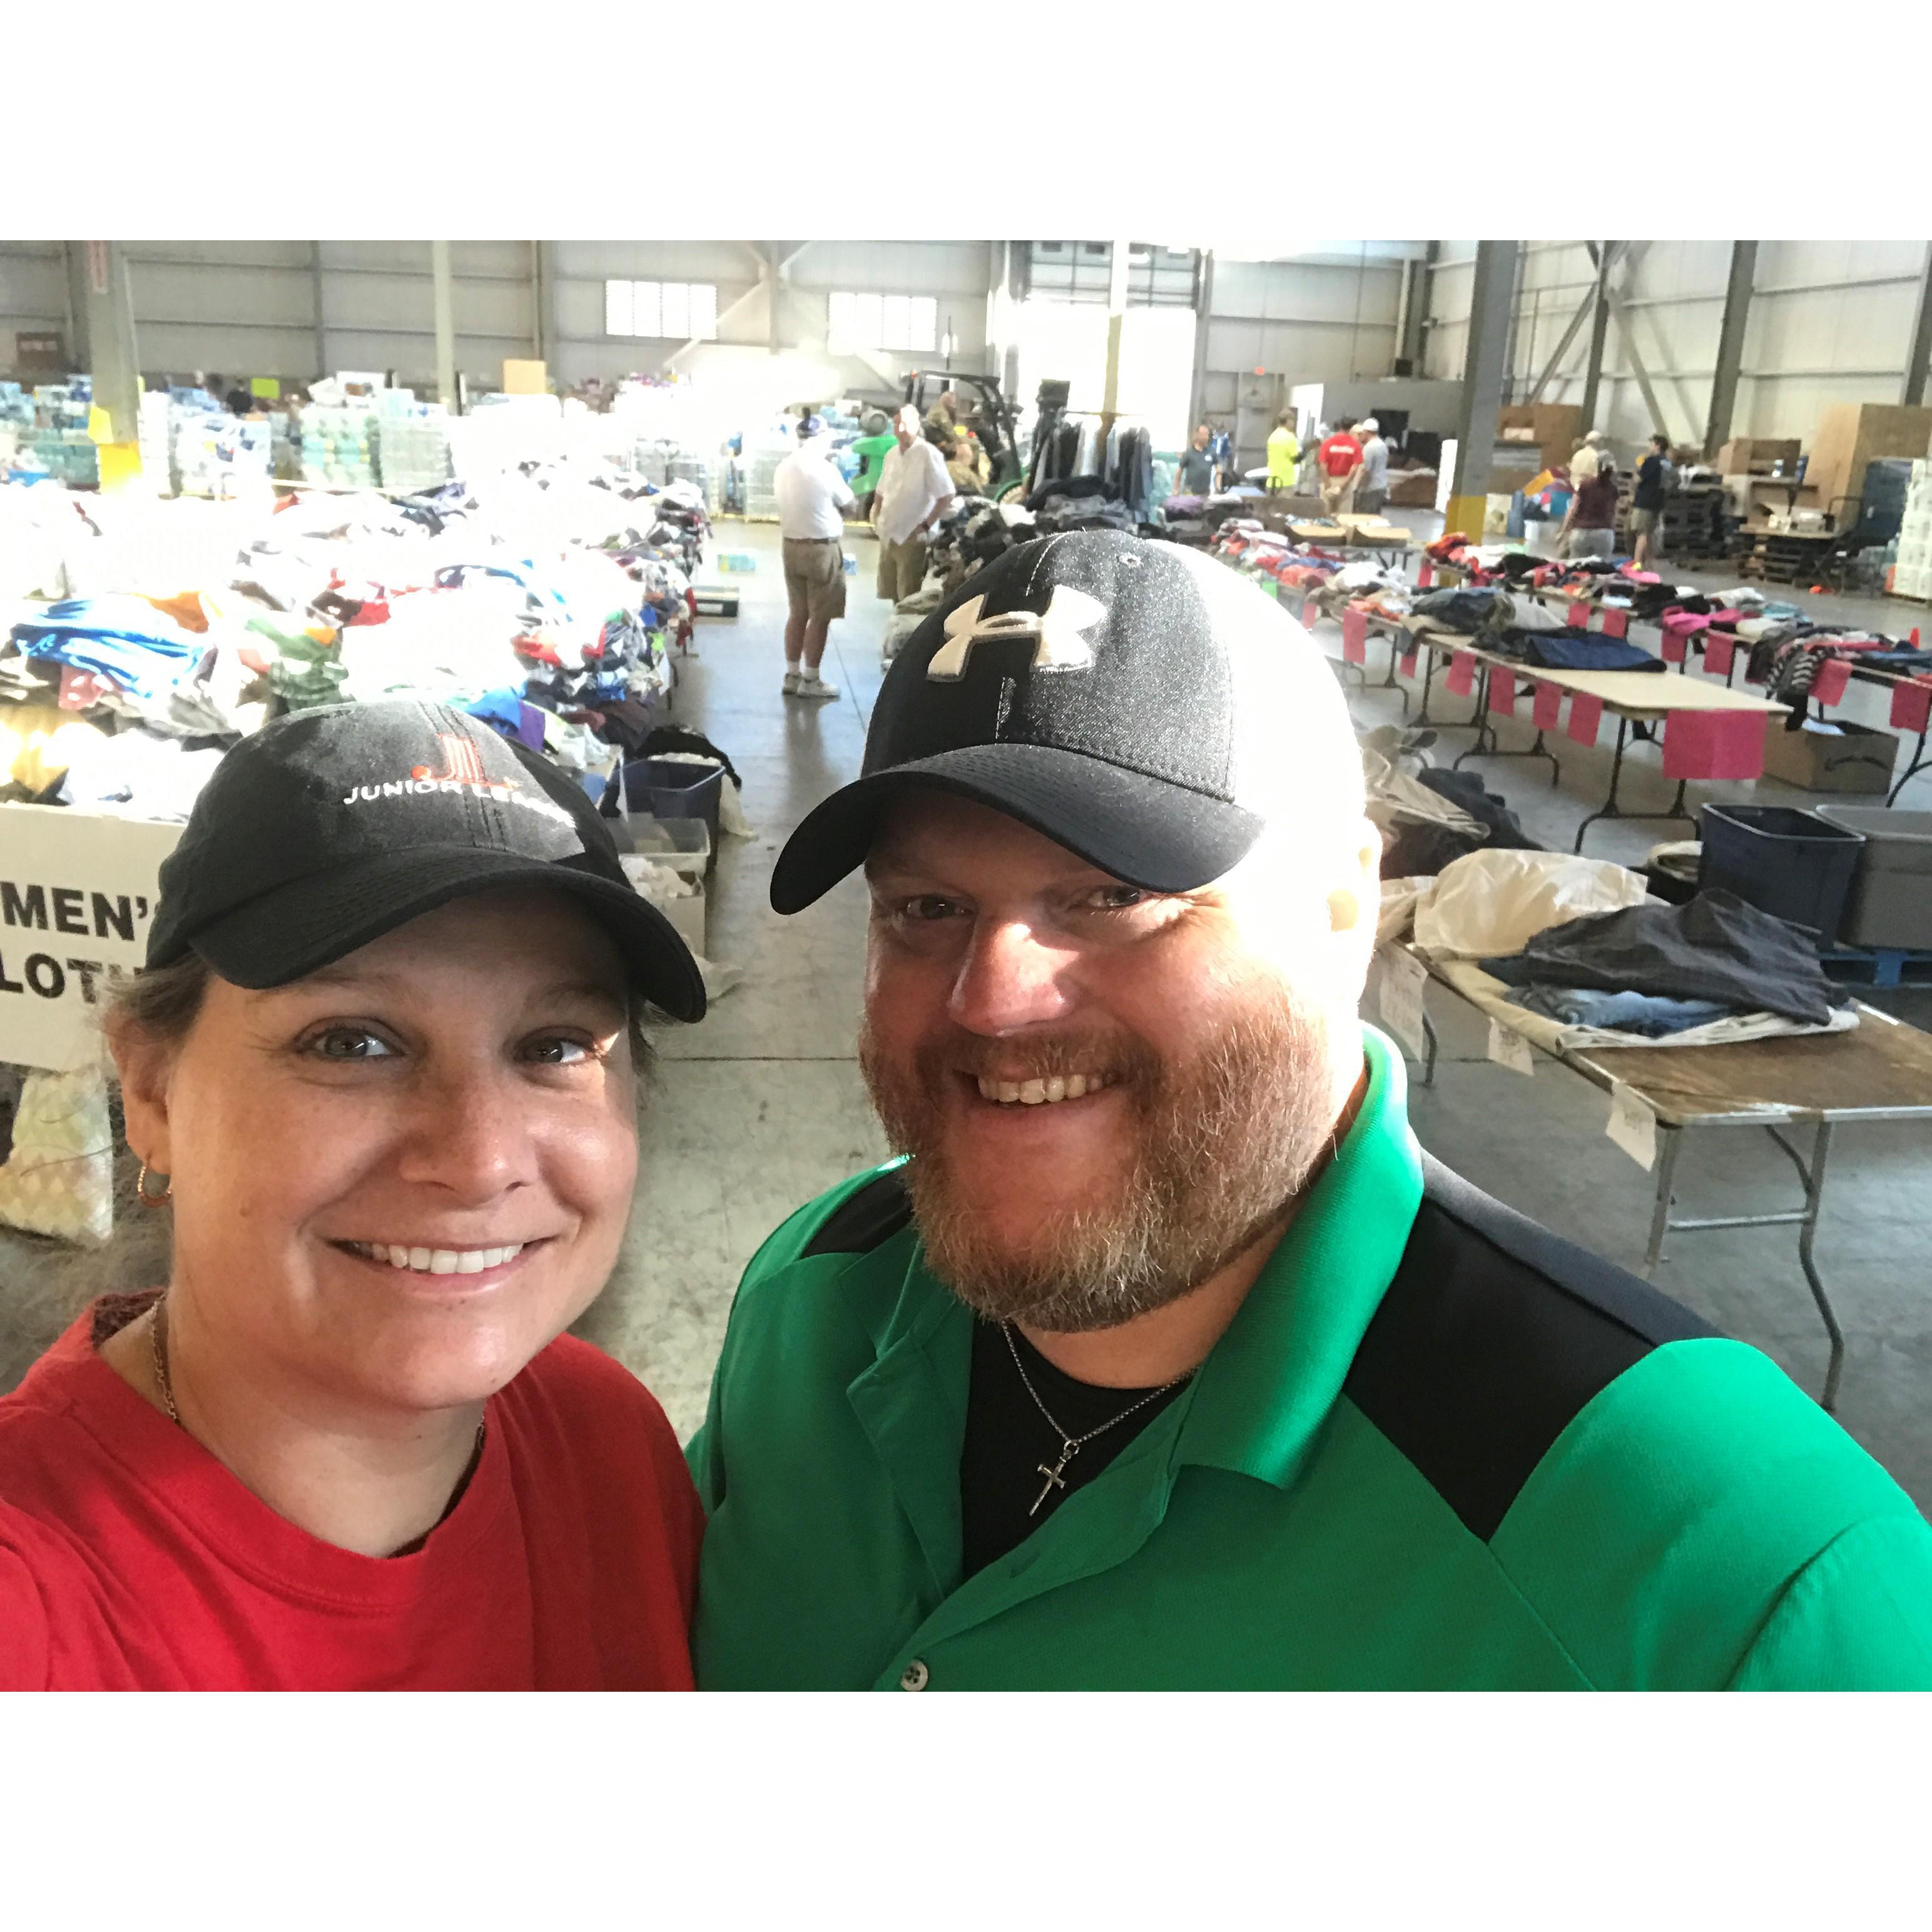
(141, 1193)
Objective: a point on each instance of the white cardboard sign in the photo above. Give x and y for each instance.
(1400, 997)
(1633, 1125)
(1508, 1048)
(77, 894)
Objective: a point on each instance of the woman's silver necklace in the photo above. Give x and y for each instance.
(1070, 1446)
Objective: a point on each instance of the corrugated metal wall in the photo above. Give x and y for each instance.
(1830, 322)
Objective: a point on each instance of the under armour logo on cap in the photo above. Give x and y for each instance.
(1056, 630)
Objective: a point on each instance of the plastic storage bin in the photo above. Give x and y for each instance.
(669, 788)
(1790, 863)
(1890, 904)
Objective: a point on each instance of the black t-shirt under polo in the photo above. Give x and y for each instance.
(1008, 1441)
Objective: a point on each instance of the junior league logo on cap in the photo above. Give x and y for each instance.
(1056, 632)
(462, 771)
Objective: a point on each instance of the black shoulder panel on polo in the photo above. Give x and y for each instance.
(865, 1220)
(1494, 1334)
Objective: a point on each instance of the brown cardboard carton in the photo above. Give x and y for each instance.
(1849, 436)
(1846, 757)
(526, 379)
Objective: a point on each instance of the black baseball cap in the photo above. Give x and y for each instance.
(1122, 696)
(331, 827)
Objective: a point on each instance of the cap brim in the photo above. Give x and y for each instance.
(1145, 831)
(312, 922)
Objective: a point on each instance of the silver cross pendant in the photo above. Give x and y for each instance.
(1055, 1480)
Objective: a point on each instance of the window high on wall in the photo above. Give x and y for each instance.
(908, 323)
(669, 311)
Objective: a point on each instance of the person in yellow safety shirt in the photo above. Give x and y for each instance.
(1284, 454)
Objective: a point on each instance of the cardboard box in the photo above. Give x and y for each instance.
(1842, 758)
(1744, 455)
(1555, 429)
(1851, 436)
(526, 379)
(1412, 489)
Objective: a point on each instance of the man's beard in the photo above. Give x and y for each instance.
(1220, 1148)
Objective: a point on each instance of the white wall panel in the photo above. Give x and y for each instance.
(33, 291)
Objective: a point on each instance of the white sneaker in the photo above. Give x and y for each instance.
(811, 685)
(791, 681)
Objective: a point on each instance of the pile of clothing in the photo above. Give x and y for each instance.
(1573, 952)
(124, 698)
(1080, 503)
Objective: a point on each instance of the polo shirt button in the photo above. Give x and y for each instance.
(915, 1676)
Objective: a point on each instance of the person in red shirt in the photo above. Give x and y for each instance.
(381, 1071)
(1339, 458)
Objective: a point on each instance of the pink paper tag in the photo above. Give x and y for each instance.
(1425, 574)
(1502, 689)
(1354, 636)
(1714, 745)
(1673, 647)
(1461, 677)
(1310, 611)
(1549, 706)
(1586, 714)
(1719, 651)
(1616, 623)
(1408, 664)
(1578, 616)
(1829, 685)
(1912, 706)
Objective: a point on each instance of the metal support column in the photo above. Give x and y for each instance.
(1730, 347)
(106, 301)
(1920, 353)
(1204, 310)
(78, 353)
(1116, 311)
(539, 303)
(1599, 326)
(1415, 310)
(315, 271)
(445, 324)
(1489, 303)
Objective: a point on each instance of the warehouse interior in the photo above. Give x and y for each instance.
(266, 428)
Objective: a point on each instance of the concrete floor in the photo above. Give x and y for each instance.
(761, 1106)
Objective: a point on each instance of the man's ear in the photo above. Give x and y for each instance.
(1360, 898)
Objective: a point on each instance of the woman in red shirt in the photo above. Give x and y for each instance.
(381, 1071)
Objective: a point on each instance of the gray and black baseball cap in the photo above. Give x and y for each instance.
(1124, 697)
(331, 827)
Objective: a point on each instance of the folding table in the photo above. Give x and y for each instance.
(1881, 1070)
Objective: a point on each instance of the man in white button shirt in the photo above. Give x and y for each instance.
(914, 493)
(811, 493)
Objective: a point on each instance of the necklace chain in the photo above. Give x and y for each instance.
(1070, 1446)
(157, 1342)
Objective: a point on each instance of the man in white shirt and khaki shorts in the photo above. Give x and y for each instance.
(811, 493)
(914, 492)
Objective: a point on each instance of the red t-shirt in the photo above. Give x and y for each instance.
(1339, 453)
(130, 1559)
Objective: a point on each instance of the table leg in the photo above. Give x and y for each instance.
(1814, 1178)
(1814, 1192)
(1672, 1139)
(1422, 717)
(1612, 809)
(1486, 737)
(1920, 762)
(1430, 1041)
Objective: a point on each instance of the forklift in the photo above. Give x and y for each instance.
(991, 421)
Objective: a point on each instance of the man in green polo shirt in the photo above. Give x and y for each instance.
(1167, 1359)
